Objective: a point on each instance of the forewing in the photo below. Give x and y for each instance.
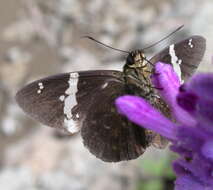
(42, 99)
(185, 56)
(72, 101)
(60, 101)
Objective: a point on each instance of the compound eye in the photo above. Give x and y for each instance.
(130, 59)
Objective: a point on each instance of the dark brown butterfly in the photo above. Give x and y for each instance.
(84, 101)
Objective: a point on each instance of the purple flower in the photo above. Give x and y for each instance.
(192, 134)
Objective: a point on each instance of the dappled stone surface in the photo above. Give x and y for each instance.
(39, 38)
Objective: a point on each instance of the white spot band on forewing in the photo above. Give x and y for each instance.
(190, 43)
(71, 125)
(69, 102)
(175, 61)
(40, 87)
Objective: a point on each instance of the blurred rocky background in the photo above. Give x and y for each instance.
(40, 38)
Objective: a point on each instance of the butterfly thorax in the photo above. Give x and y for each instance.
(137, 74)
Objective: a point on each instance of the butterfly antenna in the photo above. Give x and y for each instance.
(180, 27)
(149, 62)
(93, 39)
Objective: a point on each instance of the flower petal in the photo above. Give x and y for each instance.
(187, 101)
(142, 113)
(187, 182)
(202, 84)
(194, 168)
(207, 149)
(167, 79)
(197, 97)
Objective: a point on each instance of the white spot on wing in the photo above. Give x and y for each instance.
(175, 61)
(61, 98)
(40, 87)
(69, 102)
(71, 125)
(40, 84)
(104, 85)
(107, 126)
(190, 43)
(74, 75)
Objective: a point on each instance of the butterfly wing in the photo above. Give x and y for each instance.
(185, 56)
(109, 135)
(85, 100)
(42, 99)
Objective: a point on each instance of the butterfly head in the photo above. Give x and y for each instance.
(136, 59)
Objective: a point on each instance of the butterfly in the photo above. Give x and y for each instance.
(84, 101)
